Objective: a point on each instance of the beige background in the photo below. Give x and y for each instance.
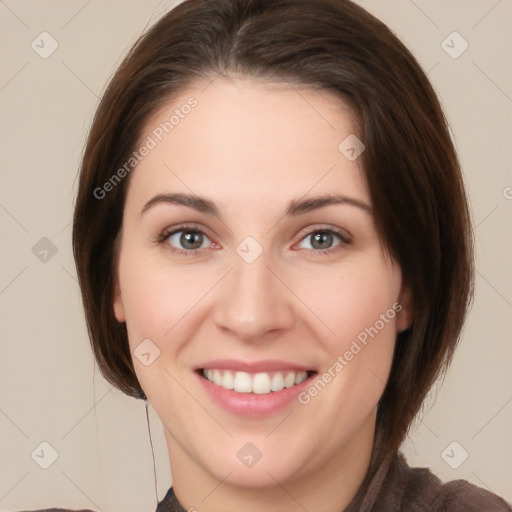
(49, 388)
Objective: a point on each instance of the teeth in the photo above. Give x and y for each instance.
(259, 383)
(217, 377)
(242, 382)
(228, 381)
(289, 380)
(277, 382)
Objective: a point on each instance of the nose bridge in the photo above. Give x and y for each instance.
(254, 301)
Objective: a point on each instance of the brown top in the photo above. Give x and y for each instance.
(396, 487)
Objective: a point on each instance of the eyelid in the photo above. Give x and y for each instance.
(345, 235)
(167, 232)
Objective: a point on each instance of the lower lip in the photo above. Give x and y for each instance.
(253, 404)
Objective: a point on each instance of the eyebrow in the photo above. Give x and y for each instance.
(295, 207)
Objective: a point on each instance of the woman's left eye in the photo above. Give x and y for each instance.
(190, 241)
(322, 240)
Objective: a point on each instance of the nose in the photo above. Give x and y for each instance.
(254, 301)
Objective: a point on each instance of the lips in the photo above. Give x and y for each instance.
(268, 365)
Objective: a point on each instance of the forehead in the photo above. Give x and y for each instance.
(250, 140)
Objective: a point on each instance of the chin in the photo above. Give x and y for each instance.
(259, 473)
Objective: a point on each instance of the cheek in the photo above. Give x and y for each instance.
(157, 297)
(353, 301)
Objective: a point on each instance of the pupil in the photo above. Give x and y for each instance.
(322, 236)
(191, 237)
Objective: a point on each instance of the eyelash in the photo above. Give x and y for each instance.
(166, 234)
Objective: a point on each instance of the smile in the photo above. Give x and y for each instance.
(258, 383)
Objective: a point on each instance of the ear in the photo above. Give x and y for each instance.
(406, 312)
(118, 302)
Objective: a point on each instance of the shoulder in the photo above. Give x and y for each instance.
(419, 489)
(468, 497)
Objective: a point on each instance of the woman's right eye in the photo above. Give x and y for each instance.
(185, 241)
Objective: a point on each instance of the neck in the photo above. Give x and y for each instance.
(327, 487)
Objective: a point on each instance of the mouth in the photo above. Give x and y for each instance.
(261, 383)
(253, 389)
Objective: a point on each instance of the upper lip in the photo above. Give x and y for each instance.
(251, 366)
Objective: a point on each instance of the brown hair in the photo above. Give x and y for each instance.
(411, 166)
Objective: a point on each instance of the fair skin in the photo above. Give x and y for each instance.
(251, 148)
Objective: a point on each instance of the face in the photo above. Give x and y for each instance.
(290, 301)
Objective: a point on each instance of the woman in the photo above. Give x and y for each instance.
(274, 249)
